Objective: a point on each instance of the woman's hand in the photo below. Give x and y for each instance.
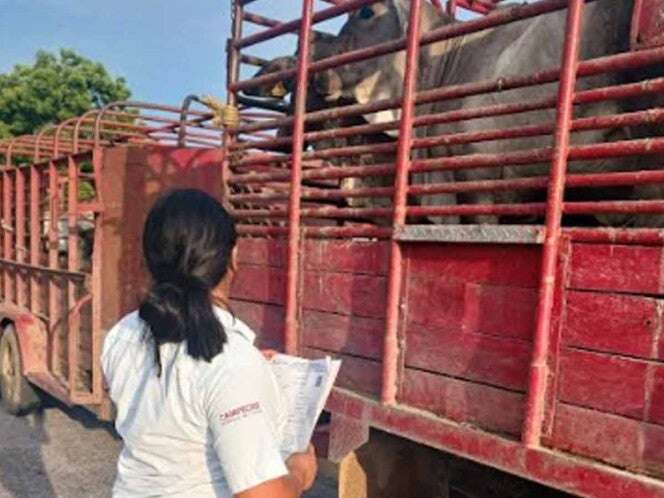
(304, 467)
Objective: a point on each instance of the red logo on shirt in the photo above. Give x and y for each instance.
(240, 412)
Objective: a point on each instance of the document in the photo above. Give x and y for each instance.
(305, 385)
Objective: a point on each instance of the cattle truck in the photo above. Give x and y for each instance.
(478, 358)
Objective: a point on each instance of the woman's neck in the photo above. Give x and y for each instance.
(221, 293)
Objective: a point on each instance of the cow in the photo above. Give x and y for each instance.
(514, 49)
(320, 49)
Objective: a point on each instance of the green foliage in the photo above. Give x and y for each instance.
(56, 87)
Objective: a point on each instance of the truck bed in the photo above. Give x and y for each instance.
(467, 317)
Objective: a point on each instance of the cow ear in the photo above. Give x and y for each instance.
(402, 9)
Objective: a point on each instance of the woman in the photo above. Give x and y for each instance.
(197, 406)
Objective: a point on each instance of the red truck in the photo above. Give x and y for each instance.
(534, 349)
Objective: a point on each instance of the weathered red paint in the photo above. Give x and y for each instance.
(391, 348)
(539, 368)
(588, 326)
(32, 338)
(291, 340)
(619, 268)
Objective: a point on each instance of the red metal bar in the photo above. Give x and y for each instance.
(20, 247)
(36, 156)
(291, 26)
(233, 74)
(3, 271)
(530, 183)
(73, 264)
(35, 239)
(260, 20)
(539, 369)
(324, 232)
(54, 289)
(522, 157)
(585, 97)
(504, 16)
(605, 207)
(391, 350)
(475, 6)
(584, 124)
(97, 302)
(73, 121)
(611, 63)
(8, 231)
(368, 213)
(292, 298)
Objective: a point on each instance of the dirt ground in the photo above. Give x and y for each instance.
(67, 453)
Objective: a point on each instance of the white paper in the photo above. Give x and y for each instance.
(305, 386)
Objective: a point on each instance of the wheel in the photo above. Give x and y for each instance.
(17, 396)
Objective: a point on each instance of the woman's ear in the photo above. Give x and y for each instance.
(234, 264)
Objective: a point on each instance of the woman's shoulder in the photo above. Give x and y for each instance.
(239, 352)
(130, 329)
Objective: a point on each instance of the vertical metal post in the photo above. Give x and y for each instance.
(19, 243)
(97, 301)
(539, 368)
(3, 268)
(452, 7)
(8, 232)
(54, 288)
(35, 239)
(403, 159)
(232, 77)
(73, 264)
(294, 204)
(233, 65)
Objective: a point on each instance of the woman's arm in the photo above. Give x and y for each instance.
(302, 469)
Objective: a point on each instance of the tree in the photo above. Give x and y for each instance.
(56, 87)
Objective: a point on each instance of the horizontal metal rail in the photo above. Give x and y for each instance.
(617, 92)
(517, 158)
(594, 67)
(504, 16)
(616, 179)
(65, 274)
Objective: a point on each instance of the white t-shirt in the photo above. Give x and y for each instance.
(199, 429)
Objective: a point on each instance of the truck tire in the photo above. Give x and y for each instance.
(17, 396)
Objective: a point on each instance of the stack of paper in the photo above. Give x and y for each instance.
(305, 386)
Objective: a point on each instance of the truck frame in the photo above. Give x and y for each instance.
(512, 346)
(533, 349)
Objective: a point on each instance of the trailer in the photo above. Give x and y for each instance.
(468, 349)
(74, 198)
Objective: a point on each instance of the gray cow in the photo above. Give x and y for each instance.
(322, 46)
(515, 49)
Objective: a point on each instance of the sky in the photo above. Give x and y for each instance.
(165, 49)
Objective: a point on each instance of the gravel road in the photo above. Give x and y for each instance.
(66, 453)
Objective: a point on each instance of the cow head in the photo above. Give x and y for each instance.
(279, 89)
(321, 47)
(377, 78)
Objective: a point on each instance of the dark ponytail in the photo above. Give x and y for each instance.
(188, 240)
